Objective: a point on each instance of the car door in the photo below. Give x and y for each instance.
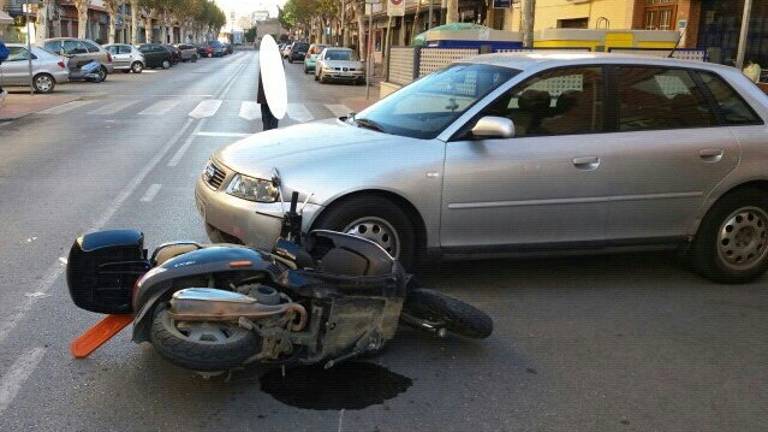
(150, 55)
(118, 60)
(15, 70)
(674, 152)
(546, 187)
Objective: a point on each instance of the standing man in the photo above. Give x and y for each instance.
(273, 90)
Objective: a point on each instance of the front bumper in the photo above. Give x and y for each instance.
(255, 224)
(344, 75)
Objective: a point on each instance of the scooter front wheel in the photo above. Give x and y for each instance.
(202, 346)
(434, 310)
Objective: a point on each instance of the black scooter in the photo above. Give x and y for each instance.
(328, 298)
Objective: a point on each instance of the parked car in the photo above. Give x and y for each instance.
(340, 64)
(126, 58)
(175, 53)
(312, 53)
(229, 48)
(297, 51)
(285, 49)
(189, 52)
(156, 56)
(215, 48)
(48, 69)
(515, 154)
(81, 52)
(204, 50)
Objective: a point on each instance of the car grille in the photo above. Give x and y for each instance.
(214, 175)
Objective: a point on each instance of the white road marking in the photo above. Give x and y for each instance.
(184, 147)
(151, 192)
(149, 71)
(160, 107)
(20, 370)
(250, 110)
(341, 420)
(114, 107)
(224, 134)
(10, 321)
(63, 260)
(206, 108)
(67, 107)
(338, 110)
(299, 112)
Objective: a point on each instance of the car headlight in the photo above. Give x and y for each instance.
(253, 189)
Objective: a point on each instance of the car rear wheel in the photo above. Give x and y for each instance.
(732, 243)
(44, 83)
(137, 67)
(166, 64)
(377, 219)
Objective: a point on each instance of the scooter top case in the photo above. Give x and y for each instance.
(103, 268)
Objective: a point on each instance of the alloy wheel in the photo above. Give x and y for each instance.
(43, 83)
(377, 230)
(742, 241)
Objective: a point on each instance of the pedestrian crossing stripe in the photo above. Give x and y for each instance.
(114, 107)
(161, 107)
(339, 110)
(250, 110)
(299, 112)
(67, 107)
(206, 108)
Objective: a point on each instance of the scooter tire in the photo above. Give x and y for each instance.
(201, 356)
(458, 317)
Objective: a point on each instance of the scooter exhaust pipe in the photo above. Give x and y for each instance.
(209, 304)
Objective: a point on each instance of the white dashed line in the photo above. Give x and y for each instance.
(224, 134)
(338, 110)
(160, 107)
(250, 110)
(20, 370)
(151, 192)
(65, 108)
(206, 108)
(299, 112)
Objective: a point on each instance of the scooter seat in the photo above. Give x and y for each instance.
(168, 251)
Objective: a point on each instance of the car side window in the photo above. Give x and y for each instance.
(734, 109)
(53, 46)
(113, 49)
(90, 47)
(556, 102)
(124, 49)
(652, 98)
(73, 47)
(18, 54)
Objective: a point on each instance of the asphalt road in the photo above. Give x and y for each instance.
(621, 343)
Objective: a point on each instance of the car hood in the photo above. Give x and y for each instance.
(298, 147)
(344, 63)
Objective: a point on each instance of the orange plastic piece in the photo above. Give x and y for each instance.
(98, 335)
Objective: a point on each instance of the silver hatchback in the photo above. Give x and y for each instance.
(519, 154)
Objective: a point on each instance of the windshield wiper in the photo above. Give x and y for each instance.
(368, 124)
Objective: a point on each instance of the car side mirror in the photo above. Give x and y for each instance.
(494, 127)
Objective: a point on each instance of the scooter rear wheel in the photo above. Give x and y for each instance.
(440, 310)
(202, 346)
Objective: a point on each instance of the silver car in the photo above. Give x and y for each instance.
(517, 154)
(126, 58)
(48, 69)
(340, 64)
(81, 52)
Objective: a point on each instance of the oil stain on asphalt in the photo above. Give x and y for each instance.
(351, 386)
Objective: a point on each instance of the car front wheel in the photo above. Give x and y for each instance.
(137, 67)
(732, 243)
(375, 218)
(166, 64)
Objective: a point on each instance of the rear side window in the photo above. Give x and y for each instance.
(658, 98)
(734, 109)
(54, 46)
(91, 47)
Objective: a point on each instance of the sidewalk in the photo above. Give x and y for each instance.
(19, 103)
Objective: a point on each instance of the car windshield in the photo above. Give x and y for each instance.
(426, 107)
(341, 55)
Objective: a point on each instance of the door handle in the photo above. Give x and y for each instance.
(587, 163)
(711, 155)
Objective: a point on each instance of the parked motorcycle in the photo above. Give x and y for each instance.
(320, 298)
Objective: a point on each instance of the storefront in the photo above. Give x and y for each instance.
(720, 27)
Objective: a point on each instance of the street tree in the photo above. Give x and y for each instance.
(135, 5)
(112, 7)
(82, 17)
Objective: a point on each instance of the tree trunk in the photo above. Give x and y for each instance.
(360, 14)
(82, 18)
(42, 19)
(134, 22)
(452, 11)
(527, 17)
(148, 28)
(415, 26)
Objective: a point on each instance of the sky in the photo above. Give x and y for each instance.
(245, 7)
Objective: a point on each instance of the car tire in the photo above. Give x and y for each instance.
(166, 64)
(376, 218)
(137, 67)
(225, 346)
(43, 83)
(103, 73)
(731, 245)
(215, 235)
